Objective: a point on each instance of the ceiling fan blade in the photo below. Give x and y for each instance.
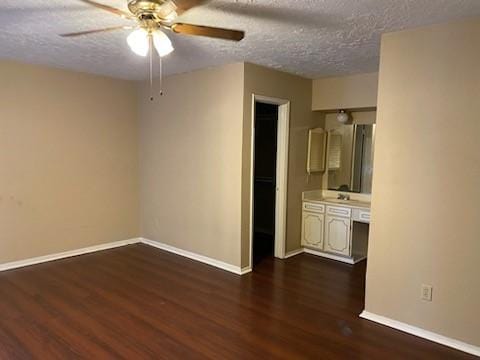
(121, 13)
(199, 30)
(88, 32)
(184, 5)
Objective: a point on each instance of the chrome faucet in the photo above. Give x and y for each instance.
(343, 197)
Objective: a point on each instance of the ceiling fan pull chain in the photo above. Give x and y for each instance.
(160, 75)
(150, 45)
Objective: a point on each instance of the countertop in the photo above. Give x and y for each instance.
(337, 202)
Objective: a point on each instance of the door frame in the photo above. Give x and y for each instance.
(283, 132)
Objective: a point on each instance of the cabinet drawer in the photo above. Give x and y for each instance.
(320, 208)
(339, 211)
(364, 215)
(361, 215)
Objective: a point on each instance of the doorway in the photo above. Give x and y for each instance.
(269, 156)
(265, 182)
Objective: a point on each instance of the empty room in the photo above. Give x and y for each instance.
(239, 179)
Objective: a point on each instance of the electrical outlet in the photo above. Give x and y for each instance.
(426, 292)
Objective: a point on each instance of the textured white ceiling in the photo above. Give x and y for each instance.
(313, 38)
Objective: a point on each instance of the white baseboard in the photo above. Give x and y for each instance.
(204, 259)
(359, 259)
(293, 253)
(440, 339)
(330, 256)
(246, 270)
(188, 254)
(66, 254)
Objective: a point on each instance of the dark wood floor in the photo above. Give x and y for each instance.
(139, 302)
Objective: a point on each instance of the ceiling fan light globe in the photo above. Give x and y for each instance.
(138, 42)
(162, 43)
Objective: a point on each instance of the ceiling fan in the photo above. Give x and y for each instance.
(153, 16)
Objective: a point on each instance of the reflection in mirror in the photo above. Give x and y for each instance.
(316, 150)
(350, 158)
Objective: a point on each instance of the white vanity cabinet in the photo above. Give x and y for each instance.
(327, 230)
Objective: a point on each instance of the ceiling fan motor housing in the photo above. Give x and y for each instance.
(148, 9)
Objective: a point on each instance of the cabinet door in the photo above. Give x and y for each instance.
(312, 229)
(337, 235)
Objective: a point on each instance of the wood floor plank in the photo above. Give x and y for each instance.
(138, 302)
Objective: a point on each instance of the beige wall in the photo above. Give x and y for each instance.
(262, 81)
(191, 162)
(68, 155)
(346, 92)
(426, 196)
(71, 174)
(195, 158)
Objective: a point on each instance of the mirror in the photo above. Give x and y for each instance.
(317, 139)
(350, 158)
